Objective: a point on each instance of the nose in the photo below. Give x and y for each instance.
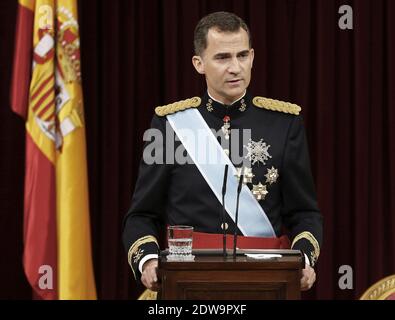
(234, 66)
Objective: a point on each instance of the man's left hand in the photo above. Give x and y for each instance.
(308, 278)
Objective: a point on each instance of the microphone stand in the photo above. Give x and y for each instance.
(223, 211)
(237, 212)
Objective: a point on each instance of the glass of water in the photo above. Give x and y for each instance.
(179, 239)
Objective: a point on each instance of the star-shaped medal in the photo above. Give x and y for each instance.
(257, 151)
(271, 175)
(259, 191)
(248, 175)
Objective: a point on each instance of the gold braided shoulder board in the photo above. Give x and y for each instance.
(178, 106)
(276, 105)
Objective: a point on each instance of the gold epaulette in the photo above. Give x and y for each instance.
(276, 105)
(178, 106)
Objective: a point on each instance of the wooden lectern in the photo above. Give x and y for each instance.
(211, 276)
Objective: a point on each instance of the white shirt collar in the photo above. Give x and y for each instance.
(245, 91)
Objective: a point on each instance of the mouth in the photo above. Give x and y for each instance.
(234, 81)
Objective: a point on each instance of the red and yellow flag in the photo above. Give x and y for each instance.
(47, 92)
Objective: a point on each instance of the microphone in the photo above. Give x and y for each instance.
(223, 210)
(237, 212)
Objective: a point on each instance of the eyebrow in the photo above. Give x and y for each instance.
(227, 54)
(243, 52)
(222, 55)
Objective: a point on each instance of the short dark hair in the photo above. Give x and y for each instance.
(223, 22)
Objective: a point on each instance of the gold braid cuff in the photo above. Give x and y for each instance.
(134, 248)
(309, 237)
(276, 105)
(178, 106)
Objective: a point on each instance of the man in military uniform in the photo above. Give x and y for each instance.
(279, 180)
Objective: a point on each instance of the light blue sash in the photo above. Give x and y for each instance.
(209, 157)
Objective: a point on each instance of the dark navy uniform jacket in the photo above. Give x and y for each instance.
(178, 194)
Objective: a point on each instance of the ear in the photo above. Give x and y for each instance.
(252, 57)
(198, 63)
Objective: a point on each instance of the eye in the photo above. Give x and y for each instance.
(243, 55)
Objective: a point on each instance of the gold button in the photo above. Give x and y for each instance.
(226, 226)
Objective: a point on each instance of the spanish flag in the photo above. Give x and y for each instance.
(46, 91)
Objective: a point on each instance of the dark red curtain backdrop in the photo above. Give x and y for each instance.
(137, 55)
